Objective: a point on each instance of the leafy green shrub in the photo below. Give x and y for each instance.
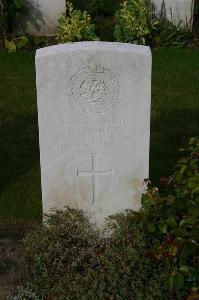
(17, 43)
(136, 23)
(28, 42)
(132, 22)
(171, 221)
(75, 26)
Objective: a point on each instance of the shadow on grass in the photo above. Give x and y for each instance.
(19, 151)
(170, 130)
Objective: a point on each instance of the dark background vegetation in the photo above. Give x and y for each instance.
(100, 7)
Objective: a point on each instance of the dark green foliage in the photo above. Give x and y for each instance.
(164, 34)
(11, 12)
(68, 260)
(170, 220)
(2, 23)
(76, 26)
(17, 43)
(23, 42)
(132, 22)
(104, 27)
(196, 17)
(136, 23)
(98, 7)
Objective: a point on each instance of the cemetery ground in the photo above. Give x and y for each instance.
(174, 119)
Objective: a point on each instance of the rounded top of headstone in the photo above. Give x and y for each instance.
(92, 46)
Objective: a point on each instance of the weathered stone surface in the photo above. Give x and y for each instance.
(94, 123)
(179, 12)
(43, 15)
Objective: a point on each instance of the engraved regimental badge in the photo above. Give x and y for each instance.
(93, 90)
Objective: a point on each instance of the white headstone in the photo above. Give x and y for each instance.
(94, 123)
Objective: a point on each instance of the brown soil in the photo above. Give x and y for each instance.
(11, 264)
(12, 253)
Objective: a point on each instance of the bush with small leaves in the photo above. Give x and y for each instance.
(69, 260)
(76, 26)
(132, 22)
(170, 221)
(136, 22)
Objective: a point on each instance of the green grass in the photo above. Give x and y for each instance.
(20, 192)
(175, 106)
(175, 118)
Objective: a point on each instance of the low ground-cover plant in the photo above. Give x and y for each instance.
(68, 260)
(16, 43)
(25, 42)
(76, 26)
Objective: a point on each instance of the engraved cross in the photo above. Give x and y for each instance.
(93, 173)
